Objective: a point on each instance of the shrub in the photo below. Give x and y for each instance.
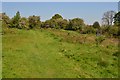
(23, 23)
(88, 30)
(75, 24)
(113, 31)
(34, 22)
(5, 21)
(99, 39)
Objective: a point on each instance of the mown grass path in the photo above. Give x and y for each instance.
(40, 54)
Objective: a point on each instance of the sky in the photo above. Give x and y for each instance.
(88, 11)
(59, 0)
(119, 6)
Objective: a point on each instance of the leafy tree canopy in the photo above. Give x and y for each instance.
(96, 25)
(75, 24)
(117, 18)
(57, 16)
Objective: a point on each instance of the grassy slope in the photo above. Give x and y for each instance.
(0, 50)
(50, 53)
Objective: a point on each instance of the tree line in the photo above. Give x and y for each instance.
(110, 20)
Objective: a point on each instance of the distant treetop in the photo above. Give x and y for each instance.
(57, 16)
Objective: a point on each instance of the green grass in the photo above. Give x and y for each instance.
(0, 50)
(54, 53)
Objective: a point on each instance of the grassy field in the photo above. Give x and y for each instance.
(0, 50)
(50, 53)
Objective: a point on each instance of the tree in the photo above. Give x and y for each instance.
(75, 24)
(70, 25)
(15, 20)
(57, 16)
(108, 18)
(61, 23)
(96, 25)
(34, 22)
(117, 18)
(56, 21)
